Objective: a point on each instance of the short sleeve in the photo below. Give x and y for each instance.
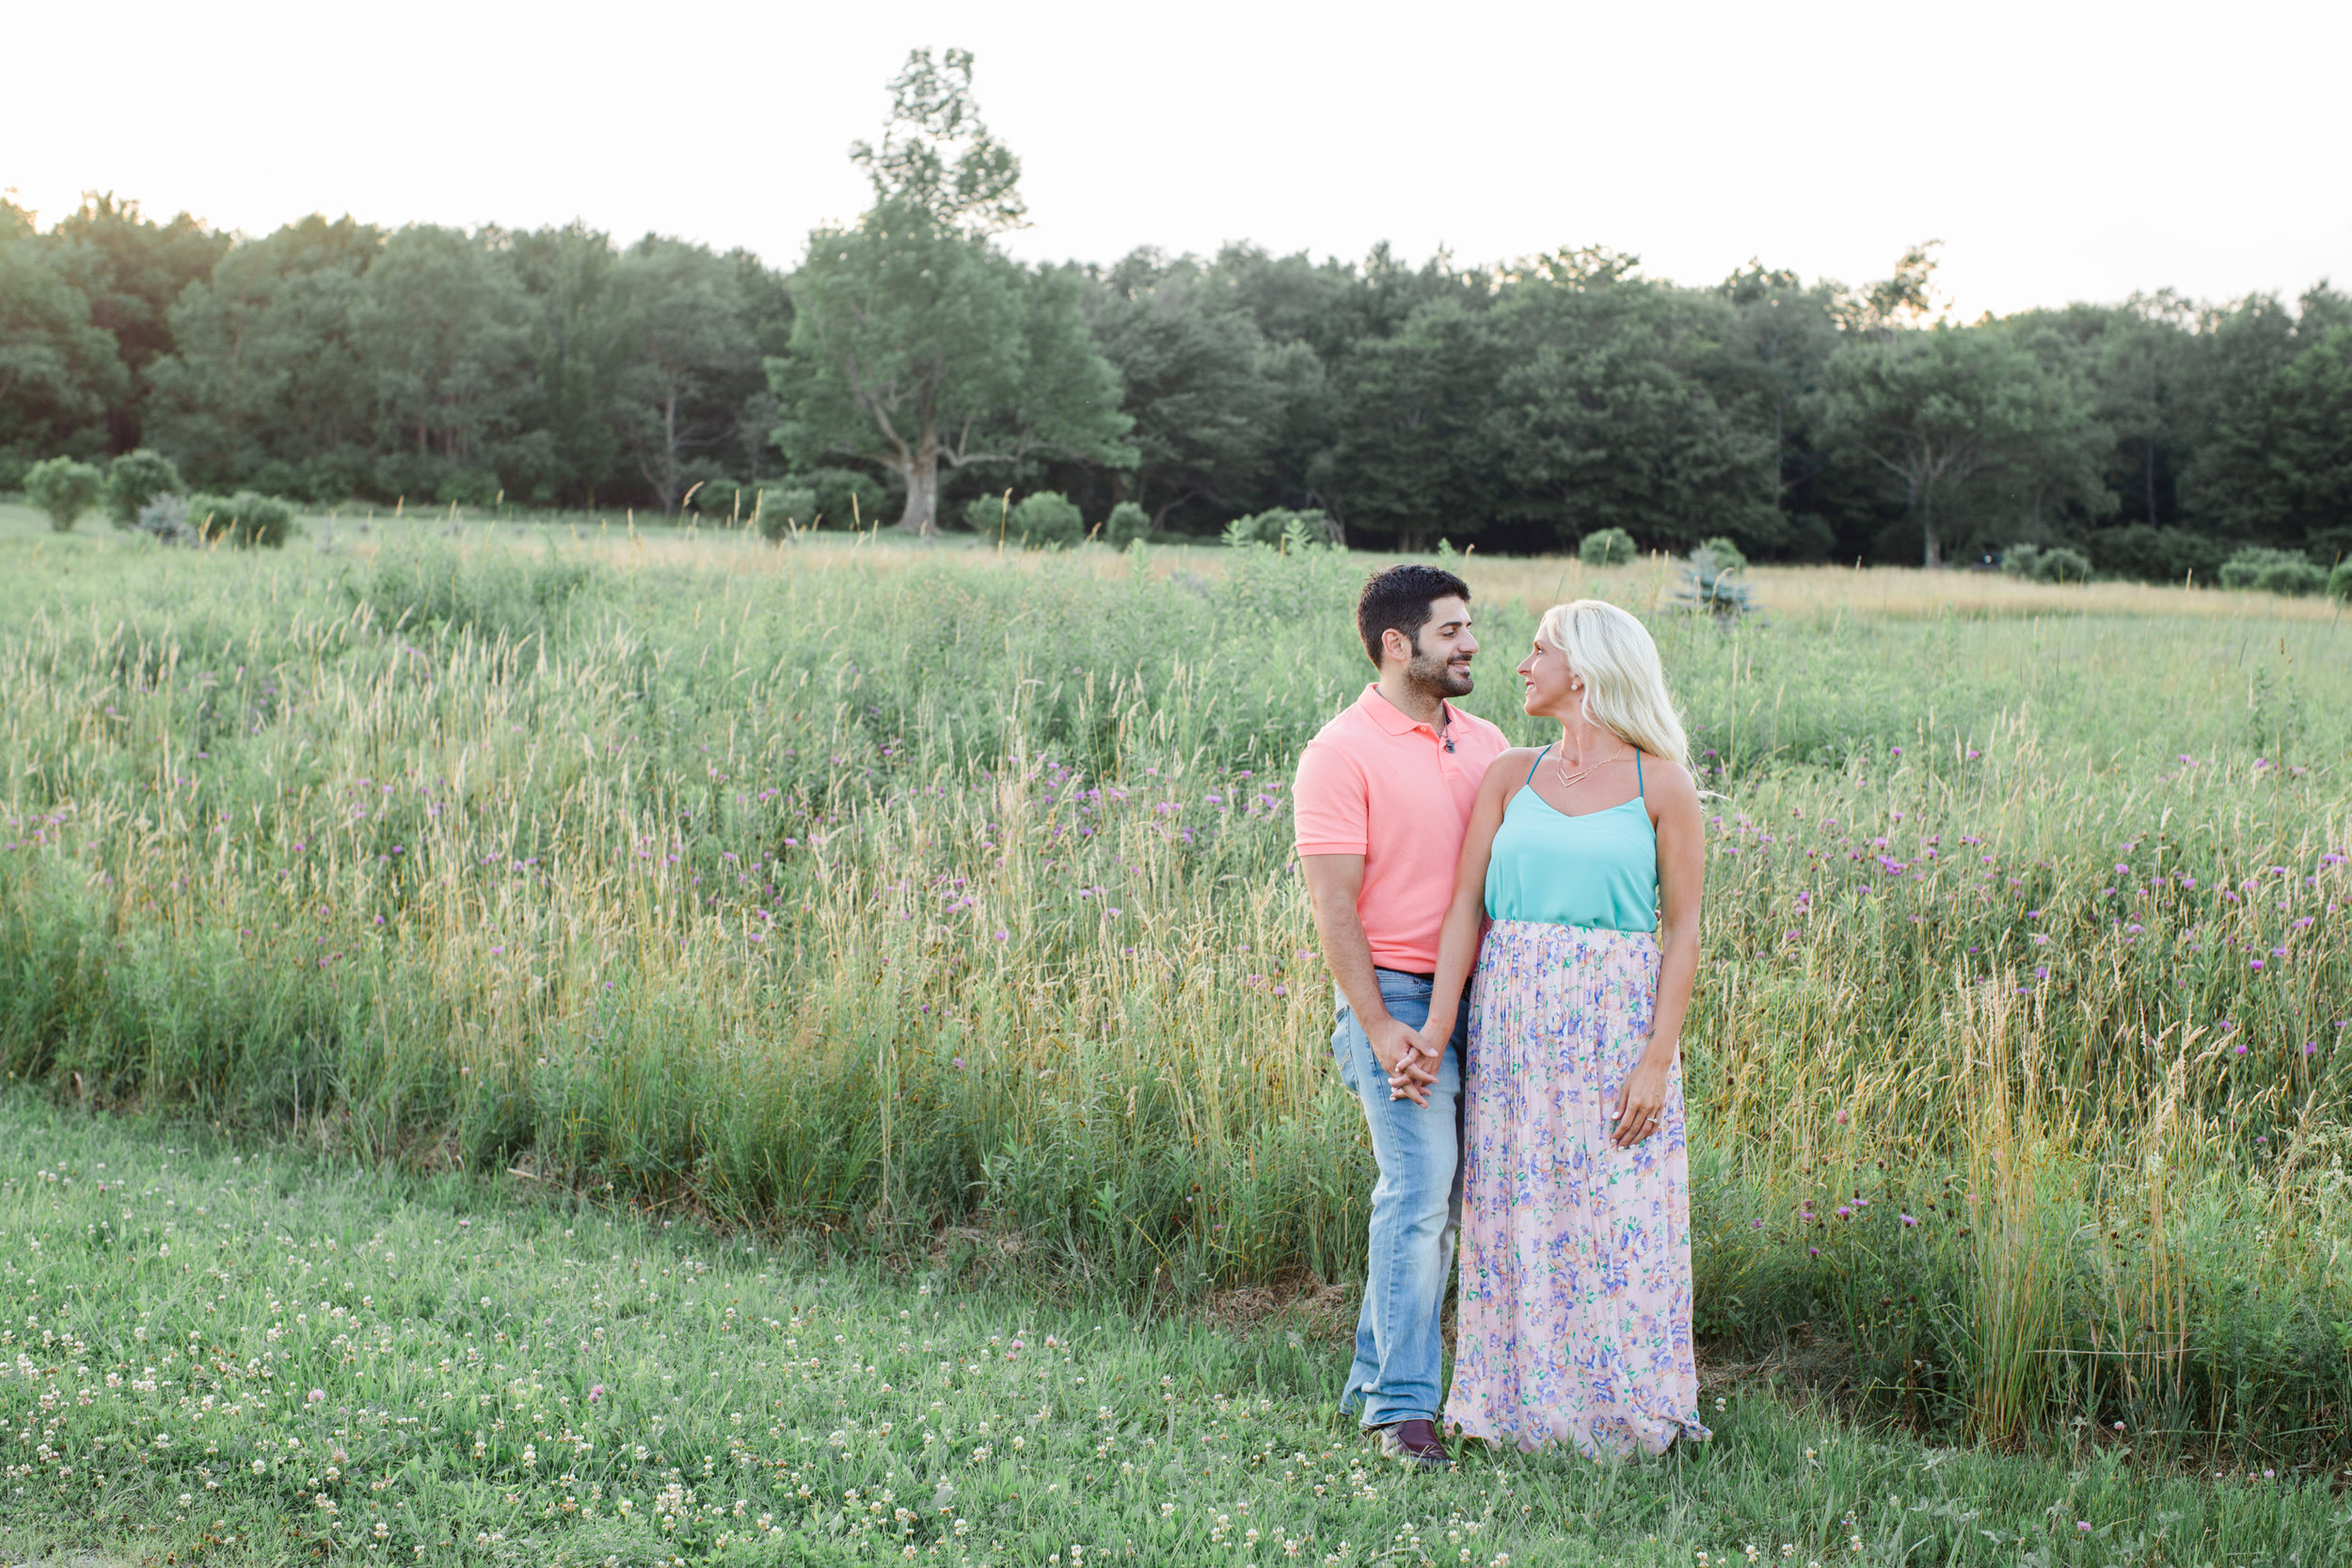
(1332, 809)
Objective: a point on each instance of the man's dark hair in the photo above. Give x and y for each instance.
(1399, 596)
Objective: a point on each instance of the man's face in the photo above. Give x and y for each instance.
(1440, 660)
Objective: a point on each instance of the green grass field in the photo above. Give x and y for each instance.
(887, 894)
(257, 1357)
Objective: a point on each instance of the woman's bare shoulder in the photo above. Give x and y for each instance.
(1668, 784)
(1511, 766)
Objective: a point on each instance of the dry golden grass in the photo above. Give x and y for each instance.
(1531, 583)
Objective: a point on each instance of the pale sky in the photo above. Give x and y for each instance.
(2059, 149)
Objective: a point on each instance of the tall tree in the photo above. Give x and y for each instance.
(1208, 393)
(2145, 367)
(915, 341)
(58, 368)
(2277, 460)
(1780, 333)
(134, 270)
(1419, 458)
(693, 361)
(1605, 418)
(1935, 408)
(263, 365)
(575, 339)
(438, 324)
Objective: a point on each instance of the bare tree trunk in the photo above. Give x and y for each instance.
(2148, 444)
(921, 473)
(669, 450)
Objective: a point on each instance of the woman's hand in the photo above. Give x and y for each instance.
(1641, 1104)
(1417, 1069)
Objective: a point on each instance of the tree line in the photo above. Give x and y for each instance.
(908, 361)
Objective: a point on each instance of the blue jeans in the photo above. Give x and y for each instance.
(1416, 1209)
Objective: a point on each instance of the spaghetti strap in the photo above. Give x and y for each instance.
(1640, 793)
(1532, 766)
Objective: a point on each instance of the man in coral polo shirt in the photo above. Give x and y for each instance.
(1383, 797)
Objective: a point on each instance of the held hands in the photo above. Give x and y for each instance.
(1641, 1104)
(1390, 1045)
(1416, 1068)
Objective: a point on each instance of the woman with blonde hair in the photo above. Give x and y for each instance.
(1583, 864)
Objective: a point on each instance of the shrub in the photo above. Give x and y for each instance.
(12, 467)
(1609, 547)
(1046, 519)
(2272, 571)
(2158, 554)
(244, 519)
(985, 514)
(277, 477)
(1727, 555)
(165, 519)
(1279, 524)
(335, 477)
(1127, 524)
(2327, 545)
(2045, 564)
(64, 488)
(136, 478)
(778, 509)
(845, 498)
(2340, 582)
(722, 499)
(467, 487)
(1710, 581)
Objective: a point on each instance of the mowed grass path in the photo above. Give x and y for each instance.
(241, 1358)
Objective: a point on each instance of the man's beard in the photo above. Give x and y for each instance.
(1431, 675)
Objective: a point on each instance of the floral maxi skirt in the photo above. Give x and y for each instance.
(1574, 1324)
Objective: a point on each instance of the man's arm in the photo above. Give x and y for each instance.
(1333, 884)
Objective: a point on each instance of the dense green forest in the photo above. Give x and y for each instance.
(1521, 406)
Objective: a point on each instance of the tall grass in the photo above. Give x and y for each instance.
(859, 885)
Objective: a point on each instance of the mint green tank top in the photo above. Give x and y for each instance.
(1599, 868)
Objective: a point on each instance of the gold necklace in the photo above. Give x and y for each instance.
(1569, 781)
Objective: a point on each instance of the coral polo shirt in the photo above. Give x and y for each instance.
(1376, 784)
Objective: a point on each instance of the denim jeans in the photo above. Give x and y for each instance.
(1416, 1209)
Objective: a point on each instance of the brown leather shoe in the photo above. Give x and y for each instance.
(1416, 1443)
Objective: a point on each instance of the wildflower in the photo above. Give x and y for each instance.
(1907, 1219)
(595, 1394)
(2082, 1527)
(316, 1396)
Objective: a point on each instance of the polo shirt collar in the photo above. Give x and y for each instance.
(1395, 719)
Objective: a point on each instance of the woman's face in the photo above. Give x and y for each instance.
(1552, 689)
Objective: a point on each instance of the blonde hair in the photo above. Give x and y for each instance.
(1624, 684)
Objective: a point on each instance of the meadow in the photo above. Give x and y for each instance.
(237, 1355)
(929, 902)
